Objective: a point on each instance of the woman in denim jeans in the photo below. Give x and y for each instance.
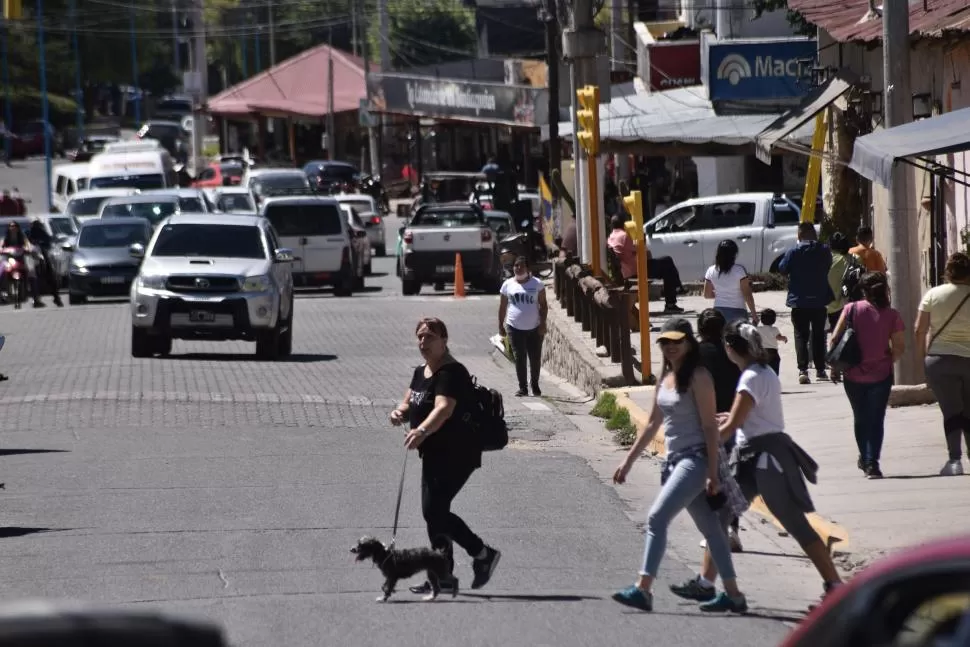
(685, 406)
(879, 330)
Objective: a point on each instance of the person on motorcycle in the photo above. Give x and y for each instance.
(14, 237)
(42, 241)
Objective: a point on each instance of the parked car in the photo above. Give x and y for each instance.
(764, 225)
(29, 140)
(100, 262)
(370, 213)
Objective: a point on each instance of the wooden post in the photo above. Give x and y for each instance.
(292, 132)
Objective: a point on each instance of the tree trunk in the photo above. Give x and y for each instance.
(845, 201)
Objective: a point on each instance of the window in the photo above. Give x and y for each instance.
(61, 188)
(305, 219)
(143, 182)
(280, 181)
(725, 215)
(686, 219)
(362, 206)
(153, 212)
(72, 187)
(785, 214)
(214, 241)
(236, 202)
(207, 174)
(62, 225)
(85, 206)
(191, 205)
(446, 219)
(121, 235)
(273, 240)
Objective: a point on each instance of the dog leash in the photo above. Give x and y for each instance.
(397, 508)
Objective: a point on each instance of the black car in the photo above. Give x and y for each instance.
(328, 177)
(101, 264)
(169, 134)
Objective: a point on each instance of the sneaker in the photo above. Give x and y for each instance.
(873, 471)
(724, 603)
(483, 568)
(861, 464)
(536, 391)
(449, 585)
(58, 302)
(821, 376)
(735, 542)
(634, 597)
(952, 468)
(692, 589)
(673, 309)
(803, 377)
(521, 393)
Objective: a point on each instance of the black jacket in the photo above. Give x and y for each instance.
(38, 236)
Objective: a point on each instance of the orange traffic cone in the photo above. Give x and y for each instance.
(459, 278)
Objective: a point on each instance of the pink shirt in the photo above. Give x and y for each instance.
(874, 328)
(622, 245)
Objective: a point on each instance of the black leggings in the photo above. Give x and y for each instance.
(440, 484)
(526, 345)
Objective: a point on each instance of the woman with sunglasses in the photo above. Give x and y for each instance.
(685, 405)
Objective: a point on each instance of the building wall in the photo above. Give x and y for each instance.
(740, 23)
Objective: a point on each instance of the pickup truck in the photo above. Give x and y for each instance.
(764, 225)
(432, 238)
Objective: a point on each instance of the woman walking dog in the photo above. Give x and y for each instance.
(448, 454)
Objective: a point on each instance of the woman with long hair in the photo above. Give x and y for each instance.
(879, 331)
(767, 461)
(448, 456)
(945, 313)
(727, 283)
(685, 405)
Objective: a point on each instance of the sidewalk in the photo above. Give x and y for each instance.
(867, 518)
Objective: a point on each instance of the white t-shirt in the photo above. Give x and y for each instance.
(769, 336)
(727, 286)
(767, 416)
(523, 311)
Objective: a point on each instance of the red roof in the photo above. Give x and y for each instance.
(298, 87)
(851, 20)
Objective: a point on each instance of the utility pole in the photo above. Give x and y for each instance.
(618, 53)
(45, 107)
(331, 135)
(353, 29)
(134, 65)
(78, 91)
(373, 149)
(175, 39)
(202, 90)
(384, 34)
(272, 33)
(900, 217)
(582, 43)
(551, 18)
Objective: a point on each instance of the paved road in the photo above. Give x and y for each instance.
(215, 484)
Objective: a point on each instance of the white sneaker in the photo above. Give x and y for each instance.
(952, 468)
(703, 543)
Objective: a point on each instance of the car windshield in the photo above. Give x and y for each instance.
(143, 182)
(500, 224)
(305, 219)
(338, 172)
(213, 241)
(446, 219)
(85, 206)
(63, 225)
(153, 212)
(108, 235)
(191, 205)
(362, 206)
(236, 202)
(283, 181)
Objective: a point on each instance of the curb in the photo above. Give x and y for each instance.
(830, 533)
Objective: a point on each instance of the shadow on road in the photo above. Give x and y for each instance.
(17, 452)
(295, 358)
(911, 477)
(531, 597)
(319, 293)
(9, 532)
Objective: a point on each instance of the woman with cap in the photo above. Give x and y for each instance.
(693, 477)
(767, 461)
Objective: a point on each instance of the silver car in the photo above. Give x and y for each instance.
(153, 208)
(101, 265)
(205, 276)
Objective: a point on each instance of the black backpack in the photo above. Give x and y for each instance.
(485, 414)
(851, 279)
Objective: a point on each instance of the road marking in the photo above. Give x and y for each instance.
(536, 406)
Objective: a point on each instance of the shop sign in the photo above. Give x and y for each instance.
(674, 64)
(769, 69)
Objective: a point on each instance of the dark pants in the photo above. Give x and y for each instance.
(774, 360)
(45, 274)
(440, 484)
(663, 268)
(526, 347)
(809, 324)
(869, 402)
(948, 376)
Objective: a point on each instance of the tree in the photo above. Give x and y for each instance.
(795, 19)
(429, 32)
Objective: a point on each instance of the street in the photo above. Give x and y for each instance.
(211, 483)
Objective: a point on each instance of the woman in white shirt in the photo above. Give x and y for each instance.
(727, 283)
(768, 462)
(522, 316)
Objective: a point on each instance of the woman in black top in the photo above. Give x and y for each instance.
(449, 453)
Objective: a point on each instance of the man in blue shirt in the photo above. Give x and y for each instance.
(807, 266)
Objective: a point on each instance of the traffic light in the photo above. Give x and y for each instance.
(588, 116)
(13, 9)
(634, 206)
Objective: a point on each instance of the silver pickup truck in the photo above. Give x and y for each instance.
(433, 238)
(764, 225)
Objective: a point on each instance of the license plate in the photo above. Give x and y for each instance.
(201, 316)
(112, 280)
(444, 269)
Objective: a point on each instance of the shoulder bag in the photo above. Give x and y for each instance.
(846, 353)
(937, 333)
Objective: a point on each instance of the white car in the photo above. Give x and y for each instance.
(86, 205)
(232, 200)
(190, 200)
(370, 214)
(355, 222)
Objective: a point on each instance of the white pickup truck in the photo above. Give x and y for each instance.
(435, 235)
(764, 225)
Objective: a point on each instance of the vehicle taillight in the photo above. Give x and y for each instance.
(375, 220)
(486, 235)
(345, 259)
(408, 237)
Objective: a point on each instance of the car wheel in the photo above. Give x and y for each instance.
(268, 343)
(368, 269)
(346, 286)
(76, 299)
(163, 346)
(141, 342)
(380, 250)
(410, 287)
(286, 337)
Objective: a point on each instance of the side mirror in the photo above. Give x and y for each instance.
(284, 255)
(136, 250)
(360, 233)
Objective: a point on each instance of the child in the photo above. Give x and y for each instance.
(770, 336)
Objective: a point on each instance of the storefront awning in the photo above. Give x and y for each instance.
(817, 101)
(875, 154)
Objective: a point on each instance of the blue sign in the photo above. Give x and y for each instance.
(767, 70)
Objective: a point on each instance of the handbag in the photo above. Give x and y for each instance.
(937, 333)
(847, 353)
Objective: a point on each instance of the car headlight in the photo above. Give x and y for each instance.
(79, 269)
(257, 283)
(152, 282)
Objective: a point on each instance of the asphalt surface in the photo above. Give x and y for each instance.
(222, 486)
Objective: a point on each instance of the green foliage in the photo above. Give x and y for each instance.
(26, 105)
(605, 405)
(795, 19)
(624, 431)
(429, 32)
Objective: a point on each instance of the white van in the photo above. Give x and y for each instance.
(143, 169)
(66, 180)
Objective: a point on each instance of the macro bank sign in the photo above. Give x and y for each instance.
(770, 69)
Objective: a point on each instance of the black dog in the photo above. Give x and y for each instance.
(399, 564)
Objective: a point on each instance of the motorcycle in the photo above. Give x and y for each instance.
(16, 265)
(530, 244)
(372, 186)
